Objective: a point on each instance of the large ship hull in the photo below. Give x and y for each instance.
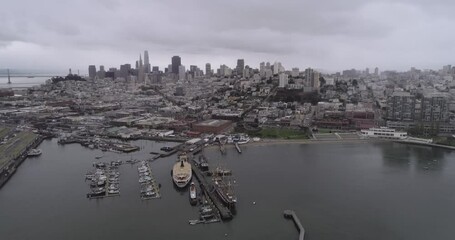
(181, 183)
(222, 190)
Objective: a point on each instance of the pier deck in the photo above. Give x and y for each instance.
(225, 213)
(291, 214)
(238, 148)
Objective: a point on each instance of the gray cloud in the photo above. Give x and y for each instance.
(328, 34)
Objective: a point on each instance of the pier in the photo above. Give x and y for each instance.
(225, 213)
(222, 148)
(291, 214)
(238, 147)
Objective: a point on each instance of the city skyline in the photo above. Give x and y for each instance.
(331, 37)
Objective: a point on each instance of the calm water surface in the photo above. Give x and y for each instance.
(340, 191)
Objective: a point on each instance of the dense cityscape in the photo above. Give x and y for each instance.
(199, 108)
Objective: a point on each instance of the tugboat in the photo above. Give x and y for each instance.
(181, 172)
(34, 152)
(193, 194)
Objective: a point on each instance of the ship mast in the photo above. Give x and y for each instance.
(9, 77)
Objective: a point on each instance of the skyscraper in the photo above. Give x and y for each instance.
(101, 73)
(376, 71)
(208, 70)
(92, 71)
(146, 62)
(240, 66)
(176, 62)
(181, 72)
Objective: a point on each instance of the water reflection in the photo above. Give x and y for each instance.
(395, 155)
(428, 159)
(421, 158)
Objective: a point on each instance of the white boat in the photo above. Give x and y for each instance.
(193, 194)
(181, 172)
(34, 152)
(383, 132)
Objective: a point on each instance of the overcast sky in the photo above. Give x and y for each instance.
(323, 34)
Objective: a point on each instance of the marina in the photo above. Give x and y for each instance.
(149, 188)
(104, 180)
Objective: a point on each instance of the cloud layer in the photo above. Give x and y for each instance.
(330, 34)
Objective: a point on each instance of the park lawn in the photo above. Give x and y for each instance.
(283, 133)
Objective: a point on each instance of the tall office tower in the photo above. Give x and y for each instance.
(376, 71)
(435, 109)
(309, 76)
(367, 71)
(176, 62)
(401, 107)
(208, 70)
(240, 66)
(295, 72)
(276, 68)
(315, 81)
(125, 71)
(140, 71)
(181, 72)
(155, 69)
(101, 73)
(147, 67)
(267, 65)
(261, 66)
(92, 71)
(283, 80)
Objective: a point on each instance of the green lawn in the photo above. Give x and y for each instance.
(15, 146)
(283, 133)
(444, 141)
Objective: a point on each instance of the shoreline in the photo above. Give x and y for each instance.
(269, 141)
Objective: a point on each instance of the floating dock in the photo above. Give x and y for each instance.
(291, 214)
(225, 213)
(149, 185)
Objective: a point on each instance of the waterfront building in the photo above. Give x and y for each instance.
(435, 109)
(401, 106)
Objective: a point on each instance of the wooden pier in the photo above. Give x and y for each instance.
(291, 214)
(225, 213)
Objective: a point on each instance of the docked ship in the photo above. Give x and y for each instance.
(181, 172)
(225, 191)
(34, 152)
(193, 194)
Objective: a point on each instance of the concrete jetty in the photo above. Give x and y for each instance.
(225, 213)
(238, 147)
(291, 214)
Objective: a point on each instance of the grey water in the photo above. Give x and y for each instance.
(22, 82)
(339, 191)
